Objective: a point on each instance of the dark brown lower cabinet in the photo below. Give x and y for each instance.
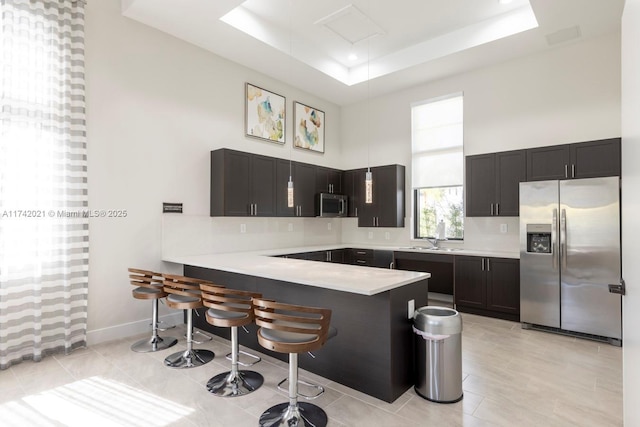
(488, 286)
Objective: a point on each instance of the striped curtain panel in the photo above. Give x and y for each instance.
(44, 224)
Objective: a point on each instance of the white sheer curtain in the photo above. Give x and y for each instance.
(44, 236)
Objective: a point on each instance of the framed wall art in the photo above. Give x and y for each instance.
(308, 127)
(264, 114)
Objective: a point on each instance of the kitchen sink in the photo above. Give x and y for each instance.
(436, 249)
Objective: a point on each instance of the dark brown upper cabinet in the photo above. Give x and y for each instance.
(590, 159)
(492, 183)
(242, 184)
(304, 183)
(328, 180)
(387, 209)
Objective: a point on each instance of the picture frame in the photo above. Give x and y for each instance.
(265, 114)
(308, 127)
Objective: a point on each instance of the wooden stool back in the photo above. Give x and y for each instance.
(298, 319)
(185, 289)
(237, 305)
(148, 280)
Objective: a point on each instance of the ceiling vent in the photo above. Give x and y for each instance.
(351, 24)
(563, 35)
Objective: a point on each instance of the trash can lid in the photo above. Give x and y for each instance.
(437, 320)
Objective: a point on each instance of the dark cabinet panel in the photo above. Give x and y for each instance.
(595, 159)
(304, 183)
(480, 184)
(503, 287)
(546, 163)
(263, 187)
(439, 266)
(242, 184)
(470, 282)
(492, 183)
(304, 186)
(589, 159)
(511, 170)
(328, 180)
(354, 185)
(387, 207)
(488, 286)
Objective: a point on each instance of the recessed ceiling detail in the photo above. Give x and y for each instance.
(397, 52)
(307, 44)
(351, 24)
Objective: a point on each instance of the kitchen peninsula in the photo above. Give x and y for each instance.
(373, 349)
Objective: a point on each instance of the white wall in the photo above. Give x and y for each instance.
(568, 94)
(156, 107)
(630, 209)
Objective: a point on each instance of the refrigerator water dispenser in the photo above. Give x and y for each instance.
(539, 238)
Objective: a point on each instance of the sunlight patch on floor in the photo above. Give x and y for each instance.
(94, 401)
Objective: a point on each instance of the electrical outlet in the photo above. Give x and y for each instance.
(371, 234)
(503, 228)
(290, 227)
(243, 228)
(411, 308)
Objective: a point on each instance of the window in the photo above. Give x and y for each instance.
(437, 168)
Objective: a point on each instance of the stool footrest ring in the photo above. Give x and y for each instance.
(257, 359)
(308, 397)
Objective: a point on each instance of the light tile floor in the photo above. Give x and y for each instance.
(512, 377)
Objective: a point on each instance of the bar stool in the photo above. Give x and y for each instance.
(293, 329)
(184, 294)
(231, 308)
(149, 286)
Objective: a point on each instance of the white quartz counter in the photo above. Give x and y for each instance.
(339, 277)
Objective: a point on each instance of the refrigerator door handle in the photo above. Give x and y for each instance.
(618, 289)
(563, 238)
(554, 240)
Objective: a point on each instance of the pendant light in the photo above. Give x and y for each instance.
(290, 183)
(368, 177)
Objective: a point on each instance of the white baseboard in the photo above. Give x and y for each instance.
(125, 330)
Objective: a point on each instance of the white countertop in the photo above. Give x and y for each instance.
(340, 277)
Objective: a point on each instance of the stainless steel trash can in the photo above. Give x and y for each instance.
(438, 355)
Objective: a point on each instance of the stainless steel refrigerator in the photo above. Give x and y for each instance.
(569, 255)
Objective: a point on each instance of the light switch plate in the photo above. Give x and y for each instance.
(503, 228)
(243, 228)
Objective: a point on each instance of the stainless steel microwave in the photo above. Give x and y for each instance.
(331, 205)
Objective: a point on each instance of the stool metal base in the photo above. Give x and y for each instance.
(154, 344)
(230, 384)
(189, 358)
(286, 415)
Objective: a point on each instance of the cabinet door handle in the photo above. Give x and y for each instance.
(361, 253)
(356, 212)
(255, 209)
(573, 171)
(359, 261)
(488, 265)
(497, 209)
(491, 209)
(566, 171)
(482, 261)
